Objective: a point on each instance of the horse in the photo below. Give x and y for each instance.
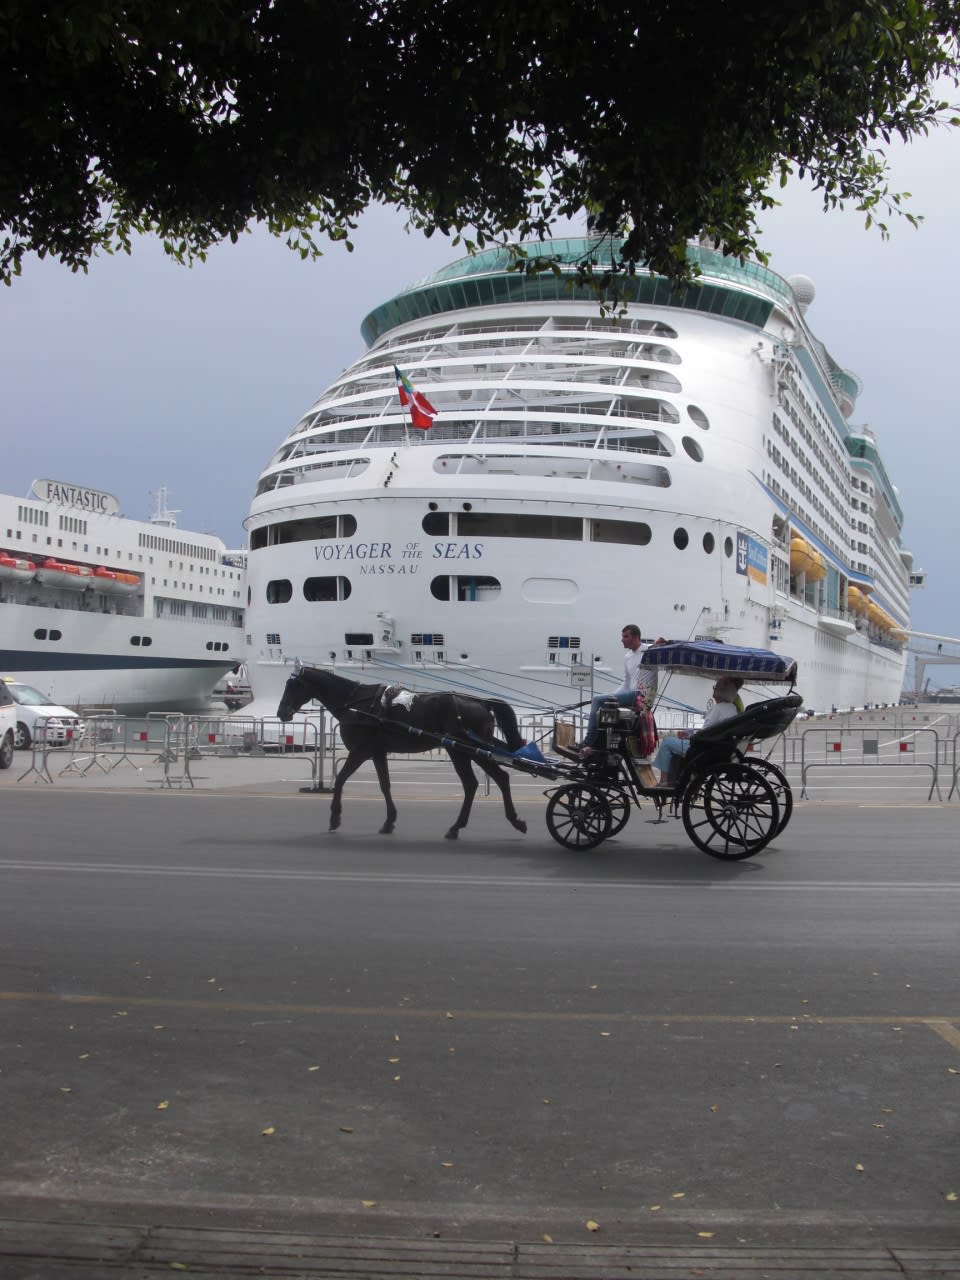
(376, 719)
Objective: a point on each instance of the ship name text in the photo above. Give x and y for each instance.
(384, 551)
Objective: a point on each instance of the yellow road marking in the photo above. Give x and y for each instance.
(943, 1026)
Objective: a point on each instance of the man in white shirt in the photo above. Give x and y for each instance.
(636, 678)
(675, 746)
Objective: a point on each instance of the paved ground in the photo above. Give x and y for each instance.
(784, 1034)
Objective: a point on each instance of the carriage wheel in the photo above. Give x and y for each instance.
(620, 806)
(579, 816)
(781, 787)
(731, 812)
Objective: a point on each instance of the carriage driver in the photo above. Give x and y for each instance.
(636, 679)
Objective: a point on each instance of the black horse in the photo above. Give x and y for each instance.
(376, 719)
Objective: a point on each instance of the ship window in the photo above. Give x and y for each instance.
(698, 416)
(56, 635)
(467, 588)
(135, 640)
(709, 543)
(728, 547)
(680, 539)
(279, 591)
(692, 449)
(505, 524)
(321, 590)
(307, 530)
(358, 638)
(40, 633)
(436, 522)
(633, 532)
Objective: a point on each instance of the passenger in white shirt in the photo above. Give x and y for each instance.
(675, 746)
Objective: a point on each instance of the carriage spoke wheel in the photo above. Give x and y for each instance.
(731, 812)
(620, 806)
(781, 787)
(579, 816)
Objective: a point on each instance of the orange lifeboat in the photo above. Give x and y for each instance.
(856, 600)
(56, 573)
(13, 569)
(113, 581)
(806, 559)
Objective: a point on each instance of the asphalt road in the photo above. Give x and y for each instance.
(210, 1006)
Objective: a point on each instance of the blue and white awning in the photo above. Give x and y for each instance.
(713, 657)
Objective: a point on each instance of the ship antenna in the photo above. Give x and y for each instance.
(162, 514)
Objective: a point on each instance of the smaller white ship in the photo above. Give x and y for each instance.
(98, 610)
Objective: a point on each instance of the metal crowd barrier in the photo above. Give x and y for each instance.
(830, 747)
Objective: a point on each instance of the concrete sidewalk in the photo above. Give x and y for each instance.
(51, 1249)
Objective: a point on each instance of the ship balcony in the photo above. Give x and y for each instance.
(837, 623)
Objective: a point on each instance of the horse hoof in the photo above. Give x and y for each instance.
(334, 824)
(387, 829)
(519, 824)
(452, 834)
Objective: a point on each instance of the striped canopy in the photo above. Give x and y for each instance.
(712, 657)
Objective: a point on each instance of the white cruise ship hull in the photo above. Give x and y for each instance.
(104, 611)
(688, 472)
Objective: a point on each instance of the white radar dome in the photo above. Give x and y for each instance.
(804, 290)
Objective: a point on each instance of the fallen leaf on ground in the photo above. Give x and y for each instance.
(591, 1225)
(345, 1129)
(547, 1239)
(369, 1204)
(162, 1106)
(269, 1129)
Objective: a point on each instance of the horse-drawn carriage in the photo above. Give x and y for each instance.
(732, 801)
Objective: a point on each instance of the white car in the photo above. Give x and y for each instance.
(33, 709)
(8, 727)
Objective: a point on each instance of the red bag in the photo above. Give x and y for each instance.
(646, 733)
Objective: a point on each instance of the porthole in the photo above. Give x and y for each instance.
(692, 449)
(680, 539)
(145, 641)
(709, 543)
(56, 635)
(135, 640)
(698, 416)
(728, 547)
(40, 633)
(279, 591)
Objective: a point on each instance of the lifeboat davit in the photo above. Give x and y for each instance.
(111, 580)
(56, 573)
(14, 570)
(806, 559)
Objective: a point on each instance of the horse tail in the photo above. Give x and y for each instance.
(506, 719)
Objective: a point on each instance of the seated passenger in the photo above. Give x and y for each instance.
(674, 747)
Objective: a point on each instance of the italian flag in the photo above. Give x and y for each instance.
(422, 412)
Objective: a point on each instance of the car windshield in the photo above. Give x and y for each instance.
(27, 696)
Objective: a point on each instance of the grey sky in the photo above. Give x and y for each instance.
(143, 374)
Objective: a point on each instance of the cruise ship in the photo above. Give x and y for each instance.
(685, 460)
(98, 610)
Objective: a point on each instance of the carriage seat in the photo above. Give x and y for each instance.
(762, 720)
